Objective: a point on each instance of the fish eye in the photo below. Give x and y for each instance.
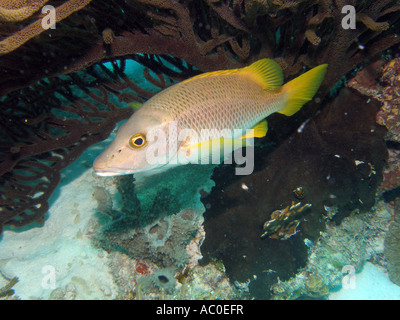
(138, 140)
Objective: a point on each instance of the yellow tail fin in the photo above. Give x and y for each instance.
(302, 89)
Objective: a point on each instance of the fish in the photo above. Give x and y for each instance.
(229, 105)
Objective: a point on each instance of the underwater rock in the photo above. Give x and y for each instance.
(163, 242)
(381, 81)
(337, 157)
(392, 247)
(104, 201)
(389, 115)
(210, 282)
(391, 174)
(199, 282)
(69, 292)
(159, 215)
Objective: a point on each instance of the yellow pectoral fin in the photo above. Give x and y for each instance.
(135, 105)
(258, 131)
(213, 150)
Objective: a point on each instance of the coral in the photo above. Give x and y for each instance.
(216, 34)
(142, 268)
(17, 39)
(386, 89)
(193, 248)
(163, 242)
(312, 37)
(208, 282)
(164, 279)
(69, 292)
(108, 36)
(14, 11)
(383, 84)
(174, 40)
(371, 24)
(283, 223)
(391, 174)
(53, 123)
(388, 116)
(392, 247)
(7, 290)
(337, 157)
(158, 221)
(357, 239)
(316, 286)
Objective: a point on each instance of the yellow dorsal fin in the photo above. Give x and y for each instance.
(259, 130)
(266, 72)
(302, 89)
(211, 74)
(135, 105)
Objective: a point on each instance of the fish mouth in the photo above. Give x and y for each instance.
(102, 168)
(112, 172)
(106, 171)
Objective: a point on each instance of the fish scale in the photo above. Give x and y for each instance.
(211, 103)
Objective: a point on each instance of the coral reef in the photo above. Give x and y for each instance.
(66, 89)
(163, 242)
(207, 35)
(156, 221)
(155, 242)
(337, 157)
(340, 249)
(197, 283)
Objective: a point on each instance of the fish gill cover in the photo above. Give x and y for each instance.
(58, 98)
